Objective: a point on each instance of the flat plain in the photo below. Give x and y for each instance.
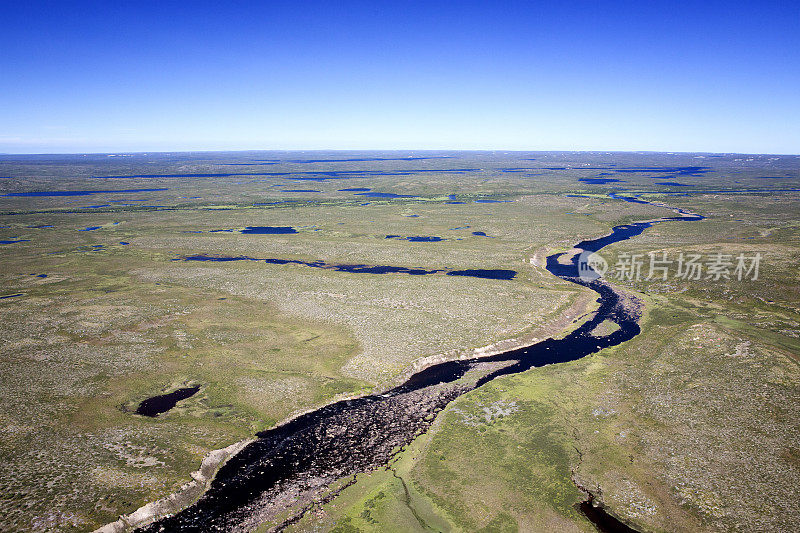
(689, 426)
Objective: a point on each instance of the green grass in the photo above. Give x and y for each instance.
(109, 327)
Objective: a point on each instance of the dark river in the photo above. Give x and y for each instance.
(295, 462)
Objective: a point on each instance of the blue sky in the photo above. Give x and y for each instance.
(143, 76)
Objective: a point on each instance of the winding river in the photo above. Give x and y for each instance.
(300, 460)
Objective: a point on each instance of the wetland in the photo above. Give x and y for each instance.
(436, 375)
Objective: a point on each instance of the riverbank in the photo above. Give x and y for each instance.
(187, 495)
(316, 449)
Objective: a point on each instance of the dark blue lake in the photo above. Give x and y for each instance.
(415, 238)
(500, 274)
(484, 273)
(349, 174)
(385, 195)
(161, 404)
(12, 296)
(599, 181)
(14, 241)
(360, 159)
(302, 176)
(629, 199)
(677, 171)
(83, 193)
(707, 191)
(268, 230)
(210, 175)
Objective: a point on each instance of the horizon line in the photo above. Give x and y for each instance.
(475, 150)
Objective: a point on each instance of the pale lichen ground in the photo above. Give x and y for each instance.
(111, 325)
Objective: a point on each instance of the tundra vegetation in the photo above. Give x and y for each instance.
(689, 426)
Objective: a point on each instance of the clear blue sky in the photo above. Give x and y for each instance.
(673, 76)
